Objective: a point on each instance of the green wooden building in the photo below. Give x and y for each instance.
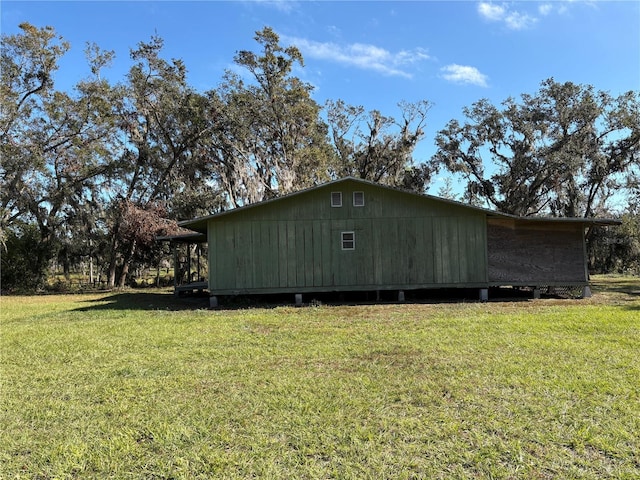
(354, 235)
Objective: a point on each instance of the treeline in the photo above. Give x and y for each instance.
(93, 175)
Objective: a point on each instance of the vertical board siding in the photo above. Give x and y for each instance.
(245, 259)
(282, 254)
(419, 273)
(299, 254)
(317, 253)
(427, 250)
(213, 248)
(364, 252)
(258, 261)
(376, 254)
(326, 248)
(439, 251)
(390, 266)
(463, 260)
(272, 276)
(309, 261)
(295, 243)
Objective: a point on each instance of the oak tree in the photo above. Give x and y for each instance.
(563, 151)
(163, 121)
(379, 148)
(54, 145)
(269, 137)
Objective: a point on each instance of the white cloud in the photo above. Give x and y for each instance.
(514, 20)
(361, 55)
(491, 11)
(464, 74)
(285, 6)
(558, 7)
(519, 21)
(545, 9)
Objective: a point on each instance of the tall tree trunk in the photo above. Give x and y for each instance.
(44, 254)
(66, 264)
(91, 269)
(113, 258)
(126, 262)
(113, 254)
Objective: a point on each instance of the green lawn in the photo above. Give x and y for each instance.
(135, 385)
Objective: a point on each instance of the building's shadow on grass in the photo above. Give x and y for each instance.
(140, 300)
(146, 301)
(151, 301)
(157, 300)
(355, 298)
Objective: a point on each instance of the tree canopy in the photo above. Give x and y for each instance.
(378, 148)
(80, 168)
(96, 173)
(268, 139)
(563, 151)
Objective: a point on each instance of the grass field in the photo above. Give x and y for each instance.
(135, 385)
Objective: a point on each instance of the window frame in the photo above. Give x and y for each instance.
(335, 205)
(354, 199)
(352, 241)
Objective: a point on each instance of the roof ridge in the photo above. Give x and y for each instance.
(494, 213)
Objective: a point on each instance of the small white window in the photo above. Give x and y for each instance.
(358, 199)
(336, 199)
(348, 241)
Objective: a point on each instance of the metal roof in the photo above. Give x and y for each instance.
(200, 224)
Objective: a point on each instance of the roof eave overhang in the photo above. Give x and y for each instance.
(600, 222)
(200, 224)
(192, 237)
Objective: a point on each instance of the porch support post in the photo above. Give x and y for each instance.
(175, 267)
(188, 263)
(198, 253)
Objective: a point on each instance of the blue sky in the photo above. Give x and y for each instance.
(373, 54)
